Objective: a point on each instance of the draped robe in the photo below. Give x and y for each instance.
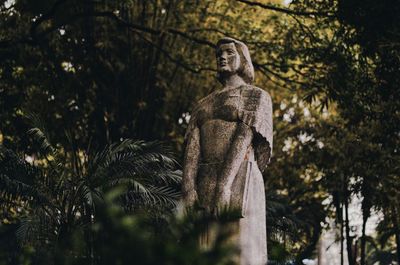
(215, 119)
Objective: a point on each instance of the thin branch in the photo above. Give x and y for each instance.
(185, 35)
(286, 10)
(127, 24)
(278, 84)
(215, 30)
(122, 22)
(178, 61)
(305, 29)
(281, 77)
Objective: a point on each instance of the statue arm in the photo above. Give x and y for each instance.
(236, 154)
(191, 164)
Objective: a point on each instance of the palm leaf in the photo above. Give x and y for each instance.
(40, 134)
(165, 195)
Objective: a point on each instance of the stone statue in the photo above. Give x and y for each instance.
(228, 145)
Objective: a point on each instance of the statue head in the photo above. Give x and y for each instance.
(233, 57)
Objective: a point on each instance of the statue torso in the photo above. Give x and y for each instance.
(217, 118)
(218, 115)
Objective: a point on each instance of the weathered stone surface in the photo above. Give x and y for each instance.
(229, 143)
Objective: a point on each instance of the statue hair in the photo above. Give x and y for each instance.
(246, 70)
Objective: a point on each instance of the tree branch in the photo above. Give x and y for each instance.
(279, 76)
(287, 10)
(127, 24)
(196, 69)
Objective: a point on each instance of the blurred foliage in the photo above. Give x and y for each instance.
(118, 237)
(106, 71)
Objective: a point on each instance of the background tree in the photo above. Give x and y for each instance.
(112, 70)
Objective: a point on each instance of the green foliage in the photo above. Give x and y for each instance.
(112, 70)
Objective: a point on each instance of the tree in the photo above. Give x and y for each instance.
(107, 70)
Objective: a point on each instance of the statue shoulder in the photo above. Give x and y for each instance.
(250, 90)
(255, 97)
(204, 103)
(256, 112)
(200, 111)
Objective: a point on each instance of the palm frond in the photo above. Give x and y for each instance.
(145, 194)
(88, 194)
(38, 227)
(142, 167)
(164, 195)
(40, 137)
(133, 155)
(26, 228)
(40, 134)
(14, 189)
(14, 167)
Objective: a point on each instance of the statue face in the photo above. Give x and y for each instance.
(228, 58)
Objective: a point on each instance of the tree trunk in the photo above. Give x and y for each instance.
(366, 215)
(337, 202)
(349, 239)
(396, 231)
(398, 244)
(355, 251)
(341, 240)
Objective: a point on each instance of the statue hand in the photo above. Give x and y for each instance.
(222, 202)
(190, 198)
(223, 198)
